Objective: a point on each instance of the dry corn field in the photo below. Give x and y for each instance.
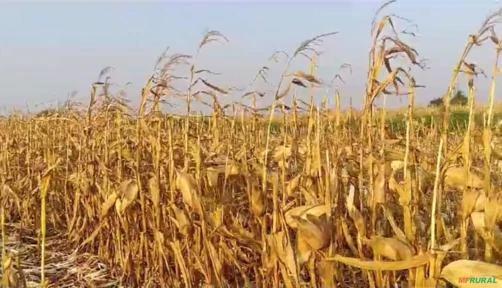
(290, 195)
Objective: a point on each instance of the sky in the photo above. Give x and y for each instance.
(48, 50)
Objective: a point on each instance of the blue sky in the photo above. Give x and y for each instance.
(48, 50)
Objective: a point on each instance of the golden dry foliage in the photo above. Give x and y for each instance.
(484, 274)
(300, 196)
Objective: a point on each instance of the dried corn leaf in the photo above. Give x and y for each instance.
(281, 153)
(232, 169)
(281, 247)
(216, 217)
(455, 178)
(396, 165)
(180, 260)
(469, 202)
(471, 273)
(186, 184)
(213, 174)
(380, 185)
(390, 248)
(292, 185)
(348, 238)
(356, 216)
(257, 200)
(327, 272)
(399, 233)
(307, 77)
(129, 191)
(154, 192)
(215, 260)
(491, 235)
(413, 262)
(316, 231)
(214, 87)
(303, 211)
(304, 250)
(493, 209)
(109, 203)
(181, 220)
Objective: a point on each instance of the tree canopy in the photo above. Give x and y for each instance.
(458, 100)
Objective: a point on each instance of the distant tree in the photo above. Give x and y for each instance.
(47, 112)
(436, 102)
(458, 100)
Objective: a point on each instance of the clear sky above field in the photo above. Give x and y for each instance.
(49, 50)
